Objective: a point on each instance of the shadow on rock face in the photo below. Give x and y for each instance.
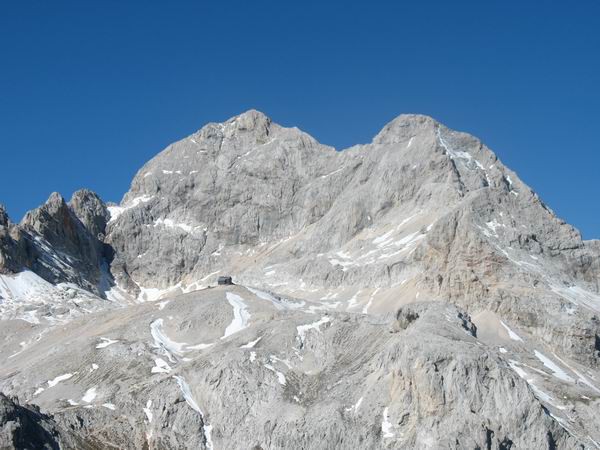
(432, 312)
(406, 316)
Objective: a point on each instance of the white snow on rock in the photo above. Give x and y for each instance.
(557, 371)
(187, 395)
(581, 377)
(354, 408)
(514, 336)
(169, 223)
(109, 406)
(89, 395)
(161, 366)
(514, 365)
(494, 225)
(358, 403)
(199, 346)
(251, 344)
(332, 173)
(280, 376)
(161, 340)
(365, 309)
(353, 301)
(539, 393)
(543, 396)
(303, 329)
(58, 379)
(28, 287)
(148, 411)
(240, 314)
(383, 238)
(106, 342)
(116, 211)
(161, 305)
(386, 425)
(453, 154)
(152, 294)
(266, 296)
(38, 391)
(578, 296)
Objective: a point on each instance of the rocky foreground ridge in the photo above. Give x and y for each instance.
(411, 292)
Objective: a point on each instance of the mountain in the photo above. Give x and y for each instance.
(411, 292)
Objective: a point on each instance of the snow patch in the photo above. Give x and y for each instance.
(240, 314)
(38, 391)
(354, 408)
(58, 379)
(386, 425)
(187, 395)
(370, 302)
(161, 305)
(332, 173)
(251, 344)
(89, 395)
(280, 376)
(161, 366)
(556, 370)
(169, 223)
(161, 340)
(511, 334)
(116, 211)
(303, 329)
(148, 411)
(106, 342)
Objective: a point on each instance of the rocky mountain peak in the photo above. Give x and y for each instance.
(55, 203)
(405, 126)
(466, 271)
(54, 210)
(250, 121)
(90, 210)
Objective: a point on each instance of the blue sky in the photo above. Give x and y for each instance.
(89, 91)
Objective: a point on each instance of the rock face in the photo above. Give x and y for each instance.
(411, 292)
(249, 194)
(23, 427)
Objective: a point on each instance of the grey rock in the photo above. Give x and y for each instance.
(287, 378)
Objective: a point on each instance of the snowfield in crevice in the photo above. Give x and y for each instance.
(187, 395)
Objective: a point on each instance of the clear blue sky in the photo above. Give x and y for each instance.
(90, 90)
